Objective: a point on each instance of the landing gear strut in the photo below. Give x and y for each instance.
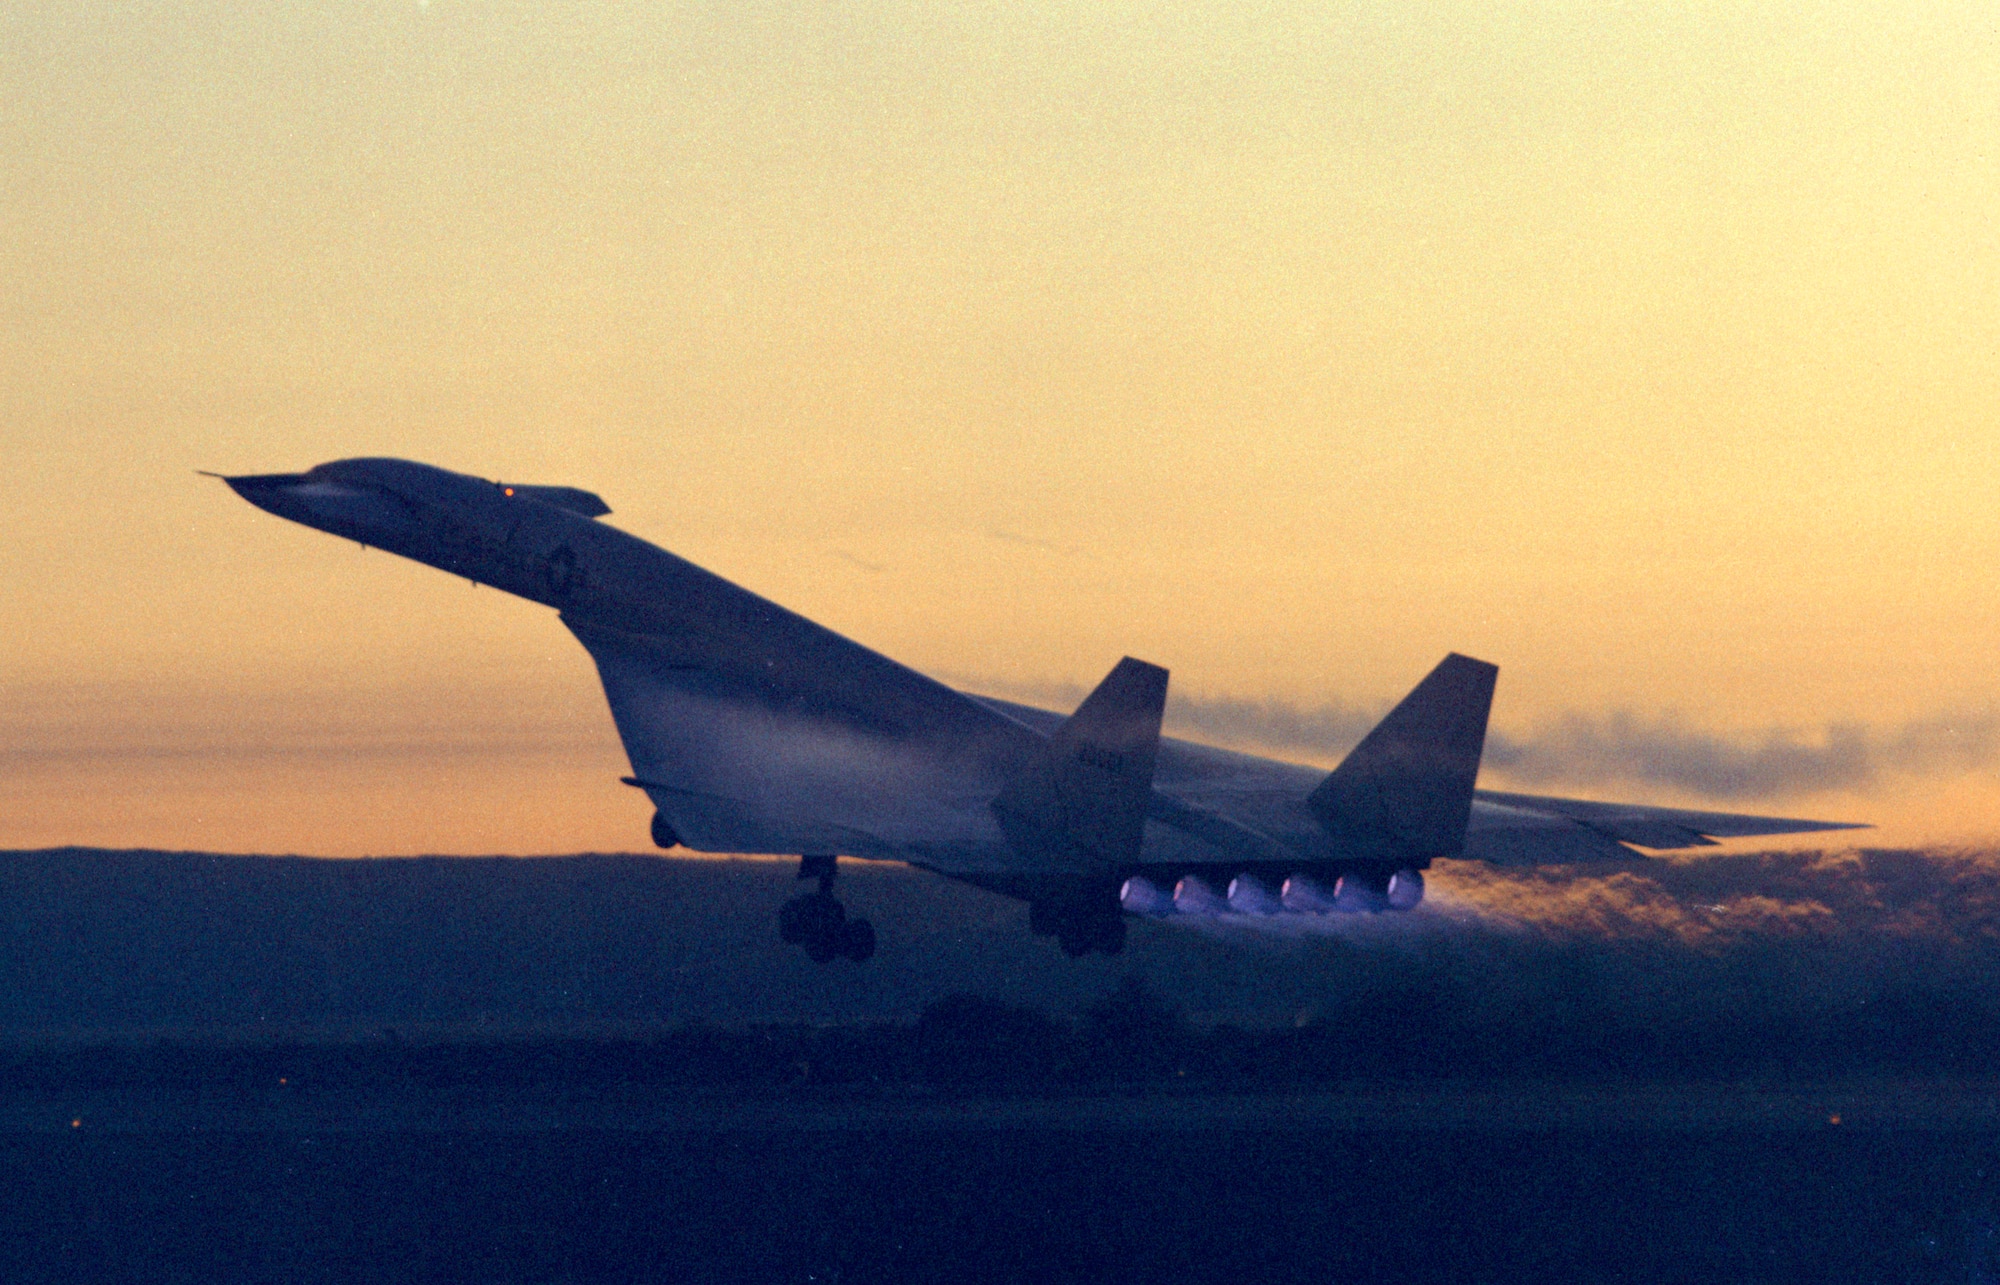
(817, 920)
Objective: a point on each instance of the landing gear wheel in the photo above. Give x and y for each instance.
(820, 924)
(823, 948)
(810, 918)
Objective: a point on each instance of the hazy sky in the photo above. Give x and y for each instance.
(1650, 354)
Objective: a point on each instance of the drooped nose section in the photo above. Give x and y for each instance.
(270, 492)
(363, 513)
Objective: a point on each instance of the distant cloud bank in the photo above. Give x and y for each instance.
(1625, 748)
(1619, 748)
(70, 726)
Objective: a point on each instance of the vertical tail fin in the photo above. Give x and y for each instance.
(1405, 792)
(1082, 802)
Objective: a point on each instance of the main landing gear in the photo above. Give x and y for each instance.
(817, 921)
(1081, 922)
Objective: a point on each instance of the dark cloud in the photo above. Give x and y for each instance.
(1626, 749)
(1320, 730)
(1586, 749)
(1589, 750)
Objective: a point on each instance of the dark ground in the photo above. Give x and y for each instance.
(999, 1205)
(608, 1069)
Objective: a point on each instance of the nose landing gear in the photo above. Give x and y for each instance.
(817, 920)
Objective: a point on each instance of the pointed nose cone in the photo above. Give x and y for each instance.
(271, 492)
(355, 511)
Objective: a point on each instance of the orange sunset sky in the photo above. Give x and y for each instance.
(1648, 352)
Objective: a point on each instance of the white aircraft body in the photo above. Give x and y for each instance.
(754, 730)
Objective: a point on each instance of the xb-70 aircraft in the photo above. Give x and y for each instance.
(754, 730)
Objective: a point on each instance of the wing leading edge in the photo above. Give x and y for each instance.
(1532, 829)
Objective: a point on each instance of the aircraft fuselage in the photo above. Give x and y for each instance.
(755, 730)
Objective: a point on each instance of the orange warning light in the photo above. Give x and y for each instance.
(76, 1124)
(1833, 1119)
(508, 489)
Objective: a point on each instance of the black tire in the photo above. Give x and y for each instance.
(822, 947)
(792, 920)
(809, 917)
(663, 834)
(857, 940)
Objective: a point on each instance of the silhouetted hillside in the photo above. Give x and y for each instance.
(656, 971)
